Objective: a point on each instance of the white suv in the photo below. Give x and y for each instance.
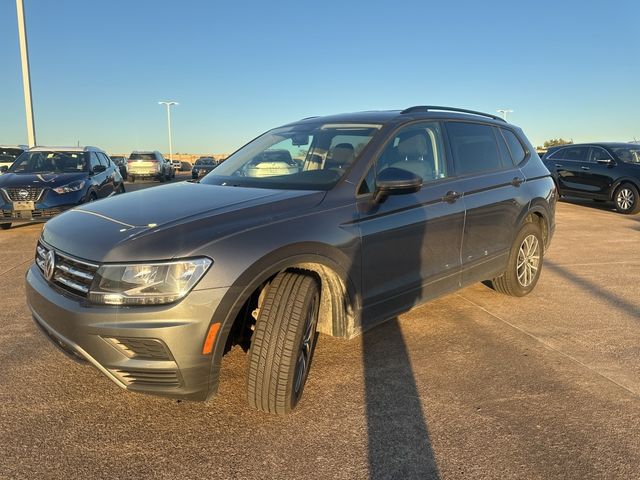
(149, 165)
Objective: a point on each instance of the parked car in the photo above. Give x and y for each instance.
(145, 165)
(203, 166)
(185, 166)
(176, 164)
(121, 162)
(599, 171)
(8, 155)
(46, 181)
(154, 294)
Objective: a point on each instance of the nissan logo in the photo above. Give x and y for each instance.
(49, 264)
(23, 193)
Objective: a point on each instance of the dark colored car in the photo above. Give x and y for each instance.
(599, 171)
(387, 210)
(46, 181)
(121, 162)
(203, 166)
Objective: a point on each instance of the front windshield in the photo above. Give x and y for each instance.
(50, 162)
(628, 154)
(299, 157)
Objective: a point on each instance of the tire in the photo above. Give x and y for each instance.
(627, 199)
(521, 276)
(5, 226)
(162, 178)
(132, 178)
(283, 343)
(121, 189)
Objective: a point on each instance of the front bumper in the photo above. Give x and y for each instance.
(170, 338)
(47, 206)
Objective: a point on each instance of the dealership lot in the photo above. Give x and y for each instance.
(472, 385)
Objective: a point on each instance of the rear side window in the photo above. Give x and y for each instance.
(515, 147)
(577, 154)
(474, 148)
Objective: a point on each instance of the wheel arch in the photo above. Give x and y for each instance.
(339, 298)
(619, 182)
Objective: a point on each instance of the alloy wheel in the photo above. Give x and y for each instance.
(306, 347)
(625, 199)
(528, 260)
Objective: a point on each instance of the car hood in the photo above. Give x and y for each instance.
(169, 221)
(41, 180)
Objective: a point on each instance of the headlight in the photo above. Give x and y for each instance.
(146, 284)
(70, 187)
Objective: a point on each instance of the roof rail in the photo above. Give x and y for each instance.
(428, 108)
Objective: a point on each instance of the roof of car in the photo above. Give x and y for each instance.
(66, 149)
(23, 147)
(397, 116)
(598, 144)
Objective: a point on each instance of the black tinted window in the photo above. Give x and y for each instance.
(103, 159)
(578, 154)
(474, 148)
(93, 159)
(142, 156)
(515, 147)
(505, 156)
(598, 153)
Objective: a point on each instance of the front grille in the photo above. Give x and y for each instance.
(149, 378)
(35, 214)
(141, 348)
(23, 194)
(71, 274)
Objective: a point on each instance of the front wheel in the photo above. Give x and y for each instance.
(627, 199)
(283, 343)
(5, 226)
(524, 264)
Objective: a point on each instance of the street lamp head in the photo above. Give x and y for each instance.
(168, 103)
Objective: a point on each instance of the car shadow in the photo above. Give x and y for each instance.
(398, 441)
(602, 206)
(398, 437)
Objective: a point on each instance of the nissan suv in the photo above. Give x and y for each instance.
(599, 171)
(45, 181)
(383, 211)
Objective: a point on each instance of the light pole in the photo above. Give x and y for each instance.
(26, 76)
(169, 104)
(504, 112)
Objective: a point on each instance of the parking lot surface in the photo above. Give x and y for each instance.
(473, 385)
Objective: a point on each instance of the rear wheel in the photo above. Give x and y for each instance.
(627, 199)
(5, 226)
(161, 177)
(283, 343)
(524, 264)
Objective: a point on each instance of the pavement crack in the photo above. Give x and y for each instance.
(14, 267)
(550, 347)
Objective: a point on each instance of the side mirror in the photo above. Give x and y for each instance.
(605, 161)
(3, 168)
(395, 181)
(99, 169)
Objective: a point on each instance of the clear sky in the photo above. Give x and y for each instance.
(567, 68)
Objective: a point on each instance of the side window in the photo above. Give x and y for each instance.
(557, 155)
(474, 148)
(598, 153)
(417, 148)
(577, 154)
(103, 159)
(505, 156)
(515, 147)
(93, 160)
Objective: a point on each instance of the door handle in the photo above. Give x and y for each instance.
(451, 196)
(585, 168)
(517, 181)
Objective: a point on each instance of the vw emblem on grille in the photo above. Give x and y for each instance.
(49, 264)
(22, 193)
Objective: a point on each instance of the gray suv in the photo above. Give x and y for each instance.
(326, 225)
